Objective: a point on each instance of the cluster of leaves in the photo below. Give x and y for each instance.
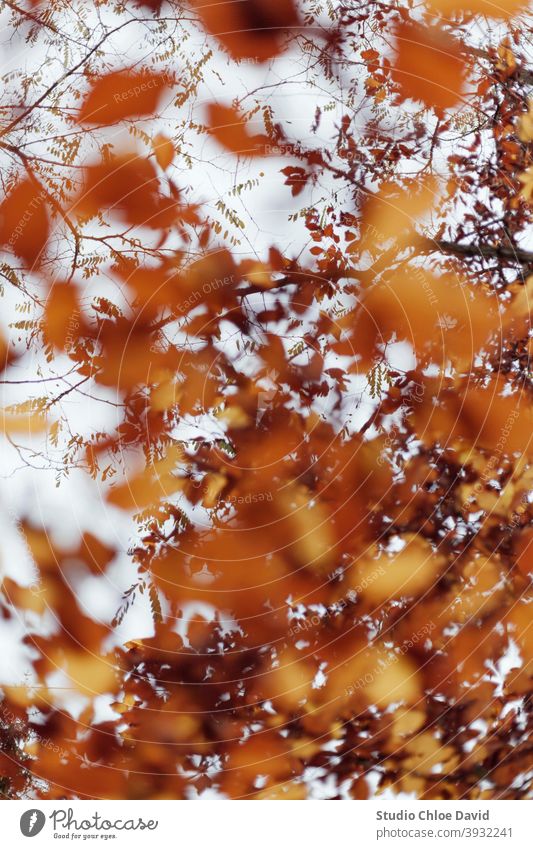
(339, 565)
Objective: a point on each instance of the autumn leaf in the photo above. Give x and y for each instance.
(230, 130)
(95, 553)
(429, 66)
(149, 486)
(249, 30)
(127, 185)
(24, 223)
(62, 314)
(394, 212)
(296, 178)
(525, 124)
(527, 183)
(164, 151)
(120, 95)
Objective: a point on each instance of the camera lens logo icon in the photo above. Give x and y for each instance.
(32, 822)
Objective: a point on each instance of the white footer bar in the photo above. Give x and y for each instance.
(269, 825)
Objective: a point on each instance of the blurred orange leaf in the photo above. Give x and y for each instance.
(24, 225)
(428, 66)
(128, 185)
(122, 95)
(249, 30)
(62, 314)
(230, 130)
(164, 151)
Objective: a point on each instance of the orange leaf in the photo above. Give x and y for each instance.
(62, 314)
(438, 316)
(122, 95)
(147, 487)
(96, 554)
(230, 130)
(127, 185)
(24, 224)
(253, 29)
(164, 151)
(428, 66)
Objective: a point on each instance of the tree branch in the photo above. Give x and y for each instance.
(516, 255)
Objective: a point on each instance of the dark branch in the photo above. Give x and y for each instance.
(515, 255)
